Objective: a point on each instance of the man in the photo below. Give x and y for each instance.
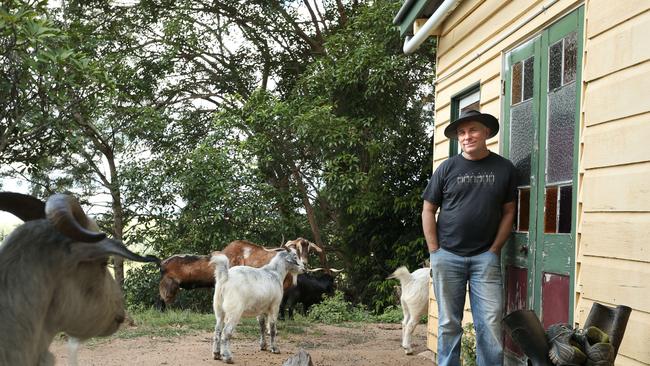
(476, 193)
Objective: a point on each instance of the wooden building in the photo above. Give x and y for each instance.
(570, 83)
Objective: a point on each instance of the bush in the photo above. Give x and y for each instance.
(335, 309)
(468, 346)
(141, 287)
(392, 314)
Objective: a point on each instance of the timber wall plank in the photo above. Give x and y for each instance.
(604, 14)
(611, 51)
(619, 142)
(619, 188)
(616, 235)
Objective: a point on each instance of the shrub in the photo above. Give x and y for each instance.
(468, 346)
(392, 314)
(141, 287)
(335, 310)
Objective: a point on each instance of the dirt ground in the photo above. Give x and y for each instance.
(356, 345)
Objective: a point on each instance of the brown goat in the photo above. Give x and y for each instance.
(195, 271)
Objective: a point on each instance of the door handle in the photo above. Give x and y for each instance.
(523, 250)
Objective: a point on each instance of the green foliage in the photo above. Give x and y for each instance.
(335, 310)
(290, 133)
(141, 287)
(468, 346)
(392, 314)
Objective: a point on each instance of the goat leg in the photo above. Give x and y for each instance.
(228, 329)
(261, 319)
(274, 347)
(216, 339)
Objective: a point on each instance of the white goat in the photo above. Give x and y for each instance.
(414, 299)
(53, 278)
(248, 291)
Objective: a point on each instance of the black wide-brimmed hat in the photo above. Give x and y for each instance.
(473, 115)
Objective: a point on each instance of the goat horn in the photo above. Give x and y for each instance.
(314, 269)
(336, 270)
(275, 250)
(25, 207)
(65, 213)
(117, 248)
(312, 245)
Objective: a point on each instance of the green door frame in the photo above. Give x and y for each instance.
(535, 250)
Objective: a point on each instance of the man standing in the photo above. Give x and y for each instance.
(476, 193)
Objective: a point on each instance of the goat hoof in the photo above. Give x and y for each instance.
(227, 360)
(408, 351)
(275, 350)
(216, 356)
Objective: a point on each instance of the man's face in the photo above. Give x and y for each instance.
(472, 136)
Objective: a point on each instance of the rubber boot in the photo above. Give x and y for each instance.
(527, 332)
(612, 321)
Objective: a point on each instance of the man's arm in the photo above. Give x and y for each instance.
(505, 227)
(429, 225)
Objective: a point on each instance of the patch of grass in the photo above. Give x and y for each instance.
(176, 323)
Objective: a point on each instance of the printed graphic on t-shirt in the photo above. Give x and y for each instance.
(476, 178)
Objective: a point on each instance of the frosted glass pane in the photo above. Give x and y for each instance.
(560, 128)
(565, 212)
(555, 66)
(528, 78)
(516, 83)
(570, 57)
(521, 140)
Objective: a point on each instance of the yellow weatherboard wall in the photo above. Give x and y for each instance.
(613, 209)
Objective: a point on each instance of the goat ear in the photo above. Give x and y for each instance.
(89, 252)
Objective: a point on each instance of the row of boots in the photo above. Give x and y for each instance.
(569, 347)
(594, 345)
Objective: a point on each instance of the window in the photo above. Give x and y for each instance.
(469, 98)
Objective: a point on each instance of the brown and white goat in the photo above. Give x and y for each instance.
(53, 278)
(196, 271)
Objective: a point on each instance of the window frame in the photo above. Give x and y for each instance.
(455, 111)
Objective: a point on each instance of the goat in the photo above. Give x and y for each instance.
(248, 291)
(183, 271)
(414, 299)
(53, 278)
(195, 271)
(309, 291)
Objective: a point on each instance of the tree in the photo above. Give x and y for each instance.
(205, 122)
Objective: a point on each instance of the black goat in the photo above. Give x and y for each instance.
(309, 291)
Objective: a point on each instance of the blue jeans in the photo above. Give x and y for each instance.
(451, 274)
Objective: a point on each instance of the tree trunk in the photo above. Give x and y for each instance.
(118, 218)
(311, 217)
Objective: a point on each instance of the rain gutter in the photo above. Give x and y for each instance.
(411, 44)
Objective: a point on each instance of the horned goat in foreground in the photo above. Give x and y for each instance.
(248, 291)
(414, 300)
(53, 278)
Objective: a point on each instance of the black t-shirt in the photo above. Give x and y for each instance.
(471, 195)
